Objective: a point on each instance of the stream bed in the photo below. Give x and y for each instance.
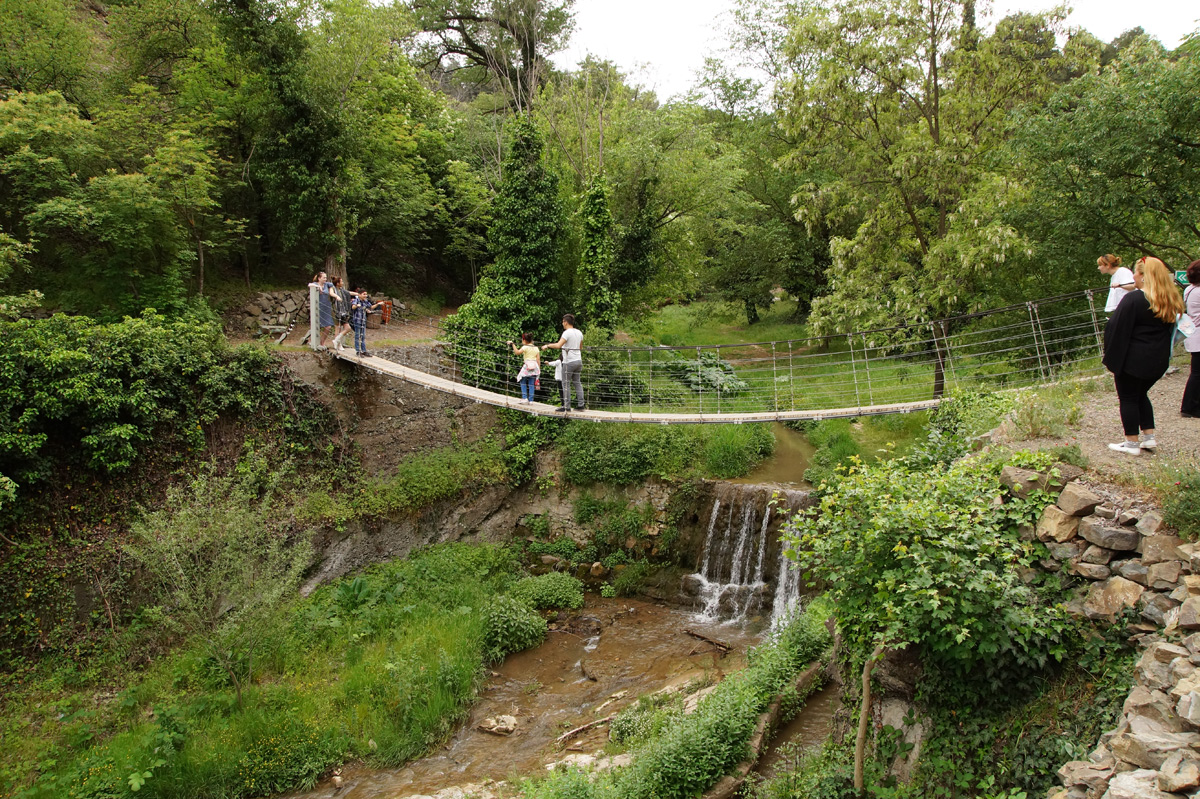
(610, 646)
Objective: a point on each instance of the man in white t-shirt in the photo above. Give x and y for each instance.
(572, 363)
(1120, 280)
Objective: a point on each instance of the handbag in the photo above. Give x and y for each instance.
(1183, 323)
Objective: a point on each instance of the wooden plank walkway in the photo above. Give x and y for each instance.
(637, 417)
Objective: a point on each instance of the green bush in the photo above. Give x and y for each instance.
(632, 578)
(510, 625)
(620, 454)
(81, 392)
(549, 591)
(1181, 503)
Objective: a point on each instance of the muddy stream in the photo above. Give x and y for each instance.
(610, 646)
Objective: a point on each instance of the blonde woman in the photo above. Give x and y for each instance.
(1137, 349)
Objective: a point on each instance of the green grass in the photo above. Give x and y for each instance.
(378, 667)
(707, 323)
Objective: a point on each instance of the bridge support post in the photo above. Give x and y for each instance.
(854, 372)
(1095, 322)
(791, 379)
(314, 316)
(700, 381)
(867, 369)
(1035, 325)
(775, 376)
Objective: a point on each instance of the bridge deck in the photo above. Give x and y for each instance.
(643, 417)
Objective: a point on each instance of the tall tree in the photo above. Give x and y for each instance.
(504, 43)
(903, 105)
(600, 303)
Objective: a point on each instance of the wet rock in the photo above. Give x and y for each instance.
(1105, 600)
(1164, 576)
(693, 584)
(1150, 524)
(1179, 772)
(1057, 525)
(1086, 773)
(1189, 614)
(1095, 554)
(1106, 536)
(1160, 548)
(1139, 784)
(500, 725)
(1150, 749)
(1078, 500)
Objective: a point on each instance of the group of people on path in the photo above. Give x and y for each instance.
(339, 312)
(568, 369)
(1147, 314)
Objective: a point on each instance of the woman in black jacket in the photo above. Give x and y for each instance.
(1137, 349)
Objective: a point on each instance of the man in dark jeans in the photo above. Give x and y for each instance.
(572, 363)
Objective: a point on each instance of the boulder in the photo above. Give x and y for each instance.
(1134, 570)
(1078, 500)
(500, 725)
(1086, 773)
(1105, 600)
(1189, 614)
(1179, 772)
(1182, 668)
(1096, 532)
(1160, 548)
(1180, 593)
(1070, 551)
(1151, 711)
(1155, 608)
(1192, 642)
(1091, 571)
(1164, 576)
(1128, 518)
(1151, 749)
(1138, 784)
(1095, 554)
(598, 569)
(1162, 652)
(1057, 525)
(1105, 512)
(1188, 708)
(1192, 583)
(1151, 523)
(1023, 482)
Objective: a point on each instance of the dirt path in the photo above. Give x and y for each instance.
(1100, 425)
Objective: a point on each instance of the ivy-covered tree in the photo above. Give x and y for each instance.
(521, 291)
(599, 301)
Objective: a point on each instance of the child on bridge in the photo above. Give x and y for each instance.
(531, 368)
(360, 306)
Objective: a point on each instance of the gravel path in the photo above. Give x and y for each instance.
(1100, 425)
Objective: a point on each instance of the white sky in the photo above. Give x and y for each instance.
(662, 43)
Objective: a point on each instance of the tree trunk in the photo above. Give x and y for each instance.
(864, 715)
(200, 262)
(751, 312)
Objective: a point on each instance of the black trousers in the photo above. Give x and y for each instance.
(1136, 411)
(1191, 392)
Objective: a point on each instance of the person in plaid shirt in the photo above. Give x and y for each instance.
(360, 306)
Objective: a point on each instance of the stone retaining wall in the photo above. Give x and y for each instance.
(1126, 558)
(278, 308)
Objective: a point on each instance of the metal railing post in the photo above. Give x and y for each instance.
(1034, 325)
(791, 378)
(775, 377)
(699, 380)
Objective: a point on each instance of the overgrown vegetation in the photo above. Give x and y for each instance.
(623, 454)
(676, 755)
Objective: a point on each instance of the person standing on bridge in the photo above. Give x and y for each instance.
(340, 300)
(570, 344)
(531, 365)
(360, 306)
(324, 311)
(1137, 349)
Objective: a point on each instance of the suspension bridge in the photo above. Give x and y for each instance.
(873, 372)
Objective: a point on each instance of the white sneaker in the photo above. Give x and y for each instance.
(1128, 447)
(1148, 443)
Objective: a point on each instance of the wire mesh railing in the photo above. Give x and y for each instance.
(867, 371)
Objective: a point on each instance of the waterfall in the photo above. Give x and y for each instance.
(743, 574)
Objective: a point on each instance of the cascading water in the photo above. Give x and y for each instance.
(742, 570)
